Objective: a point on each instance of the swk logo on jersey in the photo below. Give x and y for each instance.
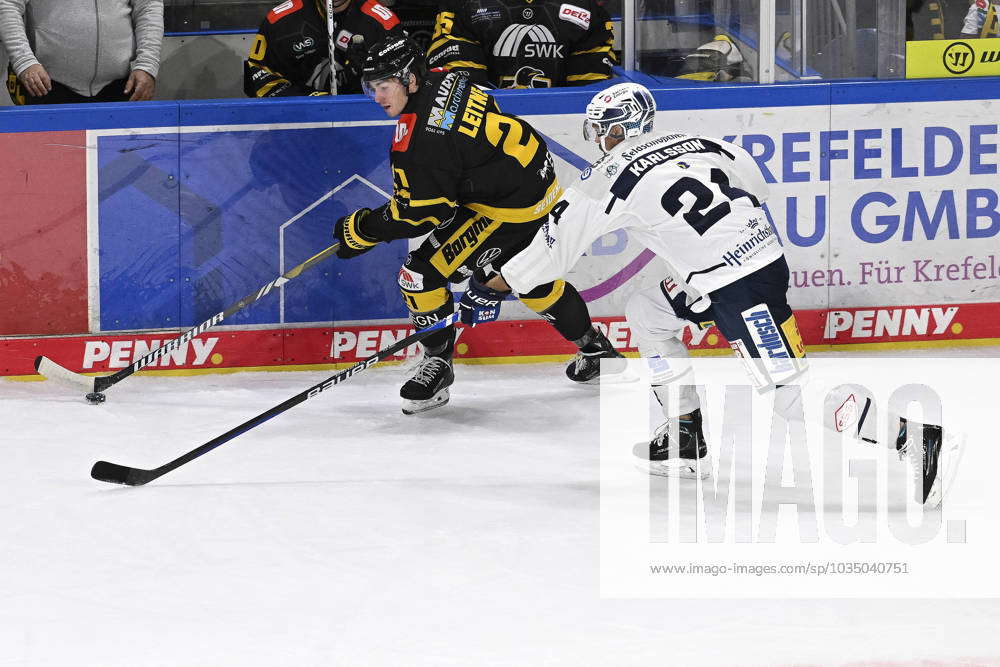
(404, 130)
(533, 41)
(410, 280)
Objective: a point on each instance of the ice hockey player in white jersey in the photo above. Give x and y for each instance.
(696, 202)
(982, 19)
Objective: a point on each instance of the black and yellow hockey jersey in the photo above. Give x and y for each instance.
(453, 148)
(291, 56)
(524, 43)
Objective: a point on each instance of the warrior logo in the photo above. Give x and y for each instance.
(538, 42)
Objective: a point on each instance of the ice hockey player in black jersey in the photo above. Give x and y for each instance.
(516, 44)
(481, 183)
(291, 55)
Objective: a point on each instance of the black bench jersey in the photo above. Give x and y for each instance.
(291, 56)
(524, 43)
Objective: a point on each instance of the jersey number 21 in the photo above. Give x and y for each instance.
(700, 216)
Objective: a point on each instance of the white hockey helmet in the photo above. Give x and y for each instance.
(627, 105)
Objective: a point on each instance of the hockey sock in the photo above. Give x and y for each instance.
(593, 341)
(687, 399)
(440, 343)
(562, 306)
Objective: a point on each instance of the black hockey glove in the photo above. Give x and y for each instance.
(352, 241)
(356, 52)
(479, 304)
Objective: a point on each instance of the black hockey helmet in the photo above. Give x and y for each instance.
(393, 57)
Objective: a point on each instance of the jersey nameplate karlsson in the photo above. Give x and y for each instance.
(642, 163)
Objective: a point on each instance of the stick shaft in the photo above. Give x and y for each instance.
(118, 474)
(102, 383)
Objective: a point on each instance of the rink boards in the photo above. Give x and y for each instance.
(124, 225)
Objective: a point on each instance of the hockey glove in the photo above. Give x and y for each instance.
(479, 304)
(352, 241)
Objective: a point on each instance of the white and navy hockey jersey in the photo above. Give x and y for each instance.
(975, 19)
(693, 200)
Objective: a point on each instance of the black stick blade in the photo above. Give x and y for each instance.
(118, 474)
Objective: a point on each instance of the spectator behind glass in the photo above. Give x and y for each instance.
(417, 17)
(291, 56)
(982, 19)
(510, 44)
(71, 51)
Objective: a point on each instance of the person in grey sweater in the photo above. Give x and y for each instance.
(81, 50)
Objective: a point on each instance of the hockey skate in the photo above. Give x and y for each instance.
(923, 445)
(666, 457)
(427, 388)
(585, 367)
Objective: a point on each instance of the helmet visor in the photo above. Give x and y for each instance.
(372, 86)
(592, 130)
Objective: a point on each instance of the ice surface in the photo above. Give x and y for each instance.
(345, 533)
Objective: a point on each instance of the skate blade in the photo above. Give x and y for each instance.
(625, 376)
(438, 400)
(678, 468)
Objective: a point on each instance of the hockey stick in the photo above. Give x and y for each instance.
(119, 474)
(331, 46)
(54, 371)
